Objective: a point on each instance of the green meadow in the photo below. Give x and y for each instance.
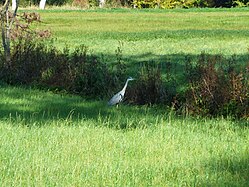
(151, 34)
(59, 140)
(49, 139)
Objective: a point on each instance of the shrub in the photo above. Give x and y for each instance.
(92, 77)
(38, 64)
(168, 4)
(216, 87)
(81, 3)
(148, 87)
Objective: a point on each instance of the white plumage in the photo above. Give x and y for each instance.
(118, 97)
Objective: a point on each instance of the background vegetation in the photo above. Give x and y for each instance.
(164, 4)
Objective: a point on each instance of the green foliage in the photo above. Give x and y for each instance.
(168, 4)
(188, 3)
(165, 4)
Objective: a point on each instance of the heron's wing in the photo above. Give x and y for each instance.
(116, 99)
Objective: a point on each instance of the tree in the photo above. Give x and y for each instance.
(101, 3)
(7, 19)
(17, 26)
(13, 4)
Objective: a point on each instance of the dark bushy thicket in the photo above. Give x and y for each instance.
(37, 64)
(148, 87)
(217, 86)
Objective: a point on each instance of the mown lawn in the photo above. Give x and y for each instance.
(59, 140)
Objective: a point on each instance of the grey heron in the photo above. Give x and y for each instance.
(118, 97)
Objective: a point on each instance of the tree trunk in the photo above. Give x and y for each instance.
(13, 4)
(7, 39)
(42, 4)
(101, 3)
(6, 25)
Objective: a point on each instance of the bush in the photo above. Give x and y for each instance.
(35, 63)
(168, 4)
(216, 87)
(79, 3)
(148, 87)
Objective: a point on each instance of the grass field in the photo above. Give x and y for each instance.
(49, 139)
(152, 34)
(52, 140)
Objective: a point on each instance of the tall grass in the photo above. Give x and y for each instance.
(58, 140)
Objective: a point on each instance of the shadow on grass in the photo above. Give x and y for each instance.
(177, 59)
(33, 107)
(228, 172)
(173, 65)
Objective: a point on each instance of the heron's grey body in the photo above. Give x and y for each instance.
(118, 97)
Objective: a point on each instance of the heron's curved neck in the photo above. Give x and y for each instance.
(124, 88)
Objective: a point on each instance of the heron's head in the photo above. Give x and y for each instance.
(130, 79)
